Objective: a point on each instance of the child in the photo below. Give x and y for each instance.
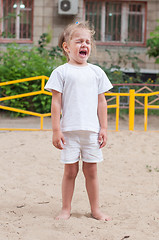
(78, 90)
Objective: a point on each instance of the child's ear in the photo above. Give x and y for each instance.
(65, 47)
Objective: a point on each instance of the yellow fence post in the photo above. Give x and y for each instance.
(145, 112)
(42, 83)
(131, 109)
(117, 112)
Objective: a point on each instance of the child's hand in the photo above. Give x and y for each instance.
(102, 137)
(58, 139)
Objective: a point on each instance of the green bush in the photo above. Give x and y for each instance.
(153, 44)
(17, 63)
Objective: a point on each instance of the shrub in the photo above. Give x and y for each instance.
(17, 63)
(153, 44)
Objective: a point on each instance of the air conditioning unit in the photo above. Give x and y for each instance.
(68, 7)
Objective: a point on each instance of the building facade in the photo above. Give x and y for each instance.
(119, 24)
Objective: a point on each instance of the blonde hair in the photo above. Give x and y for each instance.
(70, 29)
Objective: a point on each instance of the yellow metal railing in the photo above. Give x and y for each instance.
(42, 91)
(131, 96)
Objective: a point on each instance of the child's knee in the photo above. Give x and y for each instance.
(90, 172)
(90, 175)
(71, 173)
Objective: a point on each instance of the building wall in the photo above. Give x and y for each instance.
(46, 17)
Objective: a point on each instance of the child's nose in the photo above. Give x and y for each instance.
(83, 44)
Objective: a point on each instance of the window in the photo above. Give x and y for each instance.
(117, 22)
(16, 20)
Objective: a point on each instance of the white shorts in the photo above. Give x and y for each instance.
(82, 145)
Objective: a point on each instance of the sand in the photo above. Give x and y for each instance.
(30, 189)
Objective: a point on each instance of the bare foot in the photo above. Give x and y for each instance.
(100, 216)
(63, 215)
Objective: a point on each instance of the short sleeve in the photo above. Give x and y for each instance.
(104, 83)
(55, 81)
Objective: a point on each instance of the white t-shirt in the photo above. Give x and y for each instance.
(80, 86)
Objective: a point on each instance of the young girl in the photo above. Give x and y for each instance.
(78, 90)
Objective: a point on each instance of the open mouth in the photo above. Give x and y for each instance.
(83, 53)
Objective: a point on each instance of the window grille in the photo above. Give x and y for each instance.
(135, 23)
(16, 19)
(117, 21)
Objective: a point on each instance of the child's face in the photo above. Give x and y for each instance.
(79, 47)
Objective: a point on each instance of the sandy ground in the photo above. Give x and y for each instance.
(30, 189)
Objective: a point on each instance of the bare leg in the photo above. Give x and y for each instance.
(68, 183)
(90, 173)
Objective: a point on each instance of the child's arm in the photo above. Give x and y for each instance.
(102, 115)
(55, 115)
